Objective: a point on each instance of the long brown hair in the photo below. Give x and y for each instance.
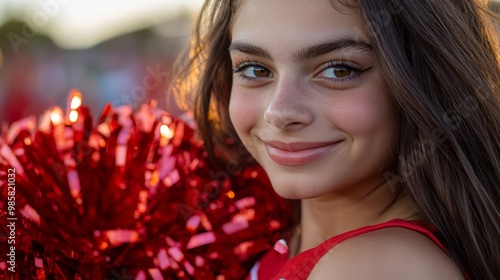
(441, 63)
(204, 77)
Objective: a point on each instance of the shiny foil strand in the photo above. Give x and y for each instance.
(119, 199)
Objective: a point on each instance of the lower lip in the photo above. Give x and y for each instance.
(295, 158)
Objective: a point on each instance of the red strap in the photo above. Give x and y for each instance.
(412, 225)
(300, 266)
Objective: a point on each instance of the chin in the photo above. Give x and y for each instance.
(288, 194)
(294, 191)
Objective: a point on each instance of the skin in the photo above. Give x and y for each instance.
(388, 254)
(308, 74)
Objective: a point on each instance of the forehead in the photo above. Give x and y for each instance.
(296, 21)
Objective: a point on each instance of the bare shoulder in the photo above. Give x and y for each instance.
(389, 254)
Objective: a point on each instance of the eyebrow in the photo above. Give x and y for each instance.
(306, 53)
(249, 49)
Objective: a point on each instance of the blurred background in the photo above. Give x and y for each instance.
(114, 51)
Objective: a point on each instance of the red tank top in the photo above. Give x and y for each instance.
(276, 266)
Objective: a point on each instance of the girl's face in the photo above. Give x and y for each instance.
(308, 100)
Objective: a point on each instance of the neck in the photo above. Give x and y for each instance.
(348, 209)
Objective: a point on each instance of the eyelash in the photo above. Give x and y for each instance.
(240, 67)
(357, 71)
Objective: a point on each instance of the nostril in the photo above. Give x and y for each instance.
(287, 111)
(293, 124)
(288, 119)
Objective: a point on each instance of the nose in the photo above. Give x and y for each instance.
(288, 107)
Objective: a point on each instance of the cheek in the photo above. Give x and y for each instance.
(243, 112)
(368, 115)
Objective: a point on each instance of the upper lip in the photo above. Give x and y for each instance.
(298, 146)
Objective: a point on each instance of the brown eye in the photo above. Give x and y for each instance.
(342, 72)
(254, 72)
(339, 72)
(261, 72)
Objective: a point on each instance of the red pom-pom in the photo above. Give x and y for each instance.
(133, 197)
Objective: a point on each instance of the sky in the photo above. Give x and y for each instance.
(79, 24)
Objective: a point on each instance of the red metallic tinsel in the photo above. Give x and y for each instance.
(132, 197)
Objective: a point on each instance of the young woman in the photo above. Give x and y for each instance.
(382, 117)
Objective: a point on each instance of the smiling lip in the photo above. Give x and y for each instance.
(299, 153)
